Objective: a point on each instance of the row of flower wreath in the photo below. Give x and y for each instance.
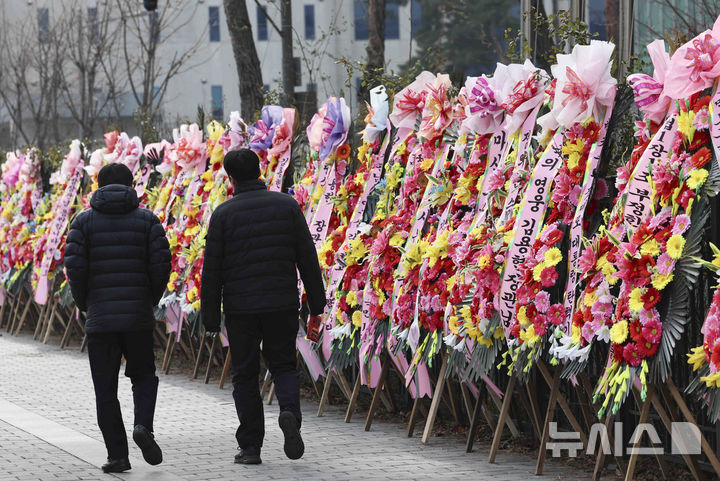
(432, 259)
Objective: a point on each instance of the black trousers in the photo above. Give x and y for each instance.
(277, 331)
(105, 351)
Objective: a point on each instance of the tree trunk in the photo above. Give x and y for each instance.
(246, 59)
(288, 61)
(375, 47)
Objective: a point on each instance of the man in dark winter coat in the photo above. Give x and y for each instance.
(118, 263)
(255, 244)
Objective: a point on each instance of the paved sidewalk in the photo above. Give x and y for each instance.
(48, 430)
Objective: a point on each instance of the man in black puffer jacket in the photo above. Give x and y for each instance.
(118, 263)
(255, 244)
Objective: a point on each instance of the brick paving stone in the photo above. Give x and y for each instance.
(195, 425)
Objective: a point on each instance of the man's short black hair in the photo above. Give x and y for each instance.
(242, 164)
(115, 174)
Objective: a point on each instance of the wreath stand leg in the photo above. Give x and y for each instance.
(342, 383)
(556, 397)
(169, 348)
(475, 417)
(437, 397)
(40, 325)
(353, 399)
(211, 358)
(687, 414)
(549, 416)
(534, 409)
(3, 308)
(271, 394)
(502, 418)
(226, 369)
(644, 417)
(56, 314)
(667, 418)
(19, 325)
(378, 391)
(68, 330)
(199, 356)
(266, 383)
(14, 311)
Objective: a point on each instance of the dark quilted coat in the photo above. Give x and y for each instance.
(117, 261)
(255, 245)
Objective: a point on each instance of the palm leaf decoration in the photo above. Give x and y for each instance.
(687, 272)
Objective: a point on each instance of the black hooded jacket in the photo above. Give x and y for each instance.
(256, 244)
(117, 261)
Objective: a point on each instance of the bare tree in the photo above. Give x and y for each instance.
(246, 59)
(376, 45)
(681, 21)
(93, 81)
(33, 58)
(145, 36)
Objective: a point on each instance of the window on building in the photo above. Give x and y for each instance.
(416, 12)
(214, 13)
(392, 20)
(217, 102)
(43, 24)
(262, 24)
(92, 22)
(309, 22)
(361, 19)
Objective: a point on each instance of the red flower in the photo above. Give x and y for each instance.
(715, 356)
(556, 314)
(647, 348)
(636, 331)
(700, 158)
(531, 312)
(617, 352)
(631, 354)
(652, 331)
(548, 276)
(650, 298)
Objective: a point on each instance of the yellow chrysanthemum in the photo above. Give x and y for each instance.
(619, 332)
(590, 299)
(351, 299)
(635, 302)
(453, 324)
(576, 333)
(357, 319)
(522, 316)
(685, 124)
(697, 178)
(529, 336)
(537, 271)
(712, 380)
(427, 164)
(484, 262)
(697, 358)
(650, 247)
(553, 256)
(675, 245)
(660, 281)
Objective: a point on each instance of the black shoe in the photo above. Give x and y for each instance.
(294, 446)
(116, 465)
(146, 442)
(249, 455)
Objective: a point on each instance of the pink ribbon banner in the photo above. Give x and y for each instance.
(143, 179)
(576, 228)
(57, 230)
(527, 226)
(637, 202)
(521, 162)
(715, 123)
(497, 151)
(276, 185)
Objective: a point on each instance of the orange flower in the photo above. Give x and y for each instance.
(700, 158)
(343, 152)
